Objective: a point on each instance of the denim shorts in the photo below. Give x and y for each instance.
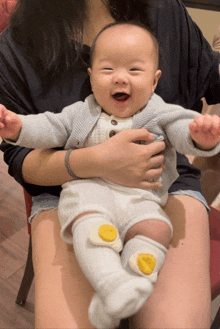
(43, 202)
(47, 201)
(194, 194)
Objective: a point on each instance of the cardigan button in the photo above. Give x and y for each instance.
(112, 133)
(114, 122)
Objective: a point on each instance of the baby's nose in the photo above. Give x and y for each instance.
(120, 78)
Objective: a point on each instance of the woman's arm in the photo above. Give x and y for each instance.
(118, 159)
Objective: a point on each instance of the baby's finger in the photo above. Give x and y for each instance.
(10, 118)
(198, 122)
(207, 122)
(203, 122)
(2, 125)
(193, 126)
(215, 129)
(2, 111)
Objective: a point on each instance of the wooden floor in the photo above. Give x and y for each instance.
(13, 253)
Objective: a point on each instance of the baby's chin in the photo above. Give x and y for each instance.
(121, 114)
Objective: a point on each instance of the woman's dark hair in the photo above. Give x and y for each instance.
(50, 31)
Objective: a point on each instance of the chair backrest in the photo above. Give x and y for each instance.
(28, 205)
(6, 8)
(214, 224)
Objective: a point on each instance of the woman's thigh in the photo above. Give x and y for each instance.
(62, 293)
(181, 298)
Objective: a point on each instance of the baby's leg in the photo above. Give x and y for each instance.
(154, 229)
(119, 293)
(145, 248)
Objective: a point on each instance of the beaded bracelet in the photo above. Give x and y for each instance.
(67, 164)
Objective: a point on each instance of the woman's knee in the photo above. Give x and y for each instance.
(47, 246)
(43, 220)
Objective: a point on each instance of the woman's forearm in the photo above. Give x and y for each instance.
(47, 167)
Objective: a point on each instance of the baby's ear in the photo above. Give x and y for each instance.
(156, 79)
(90, 75)
(89, 71)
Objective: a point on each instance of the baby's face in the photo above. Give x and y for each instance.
(124, 70)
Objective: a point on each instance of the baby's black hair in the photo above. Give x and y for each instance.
(134, 23)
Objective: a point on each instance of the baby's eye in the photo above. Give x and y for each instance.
(134, 69)
(107, 69)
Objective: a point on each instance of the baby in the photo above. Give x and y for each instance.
(99, 217)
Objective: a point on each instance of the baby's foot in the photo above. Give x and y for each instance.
(98, 315)
(128, 298)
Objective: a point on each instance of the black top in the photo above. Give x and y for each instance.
(190, 71)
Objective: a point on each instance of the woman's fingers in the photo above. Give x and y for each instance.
(156, 161)
(146, 185)
(154, 149)
(154, 173)
(150, 177)
(134, 135)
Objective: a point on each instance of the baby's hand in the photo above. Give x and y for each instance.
(205, 131)
(10, 124)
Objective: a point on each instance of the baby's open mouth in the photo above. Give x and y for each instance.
(121, 96)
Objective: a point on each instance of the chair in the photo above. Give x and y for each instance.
(214, 224)
(29, 271)
(6, 8)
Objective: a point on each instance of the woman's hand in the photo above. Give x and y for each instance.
(118, 159)
(122, 161)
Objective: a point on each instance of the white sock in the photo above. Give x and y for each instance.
(99, 316)
(122, 293)
(152, 252)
